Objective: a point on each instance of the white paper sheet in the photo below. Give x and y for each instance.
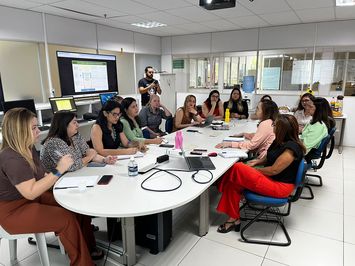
(75, 181)
(123, 157)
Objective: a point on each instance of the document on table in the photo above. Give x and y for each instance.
(75, 181)
(123, 157)
(235, 139)
(235, 153)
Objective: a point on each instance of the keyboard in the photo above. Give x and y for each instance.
(43, 128)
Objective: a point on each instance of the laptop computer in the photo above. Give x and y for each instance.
(198, 163)
(207, 122)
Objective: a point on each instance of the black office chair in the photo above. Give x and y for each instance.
(266, 209)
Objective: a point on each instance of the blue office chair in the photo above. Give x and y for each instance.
(267, 209)
(315, 154)
(146, 133)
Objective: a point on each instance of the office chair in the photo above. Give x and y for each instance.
(315, 154)
(169, 125)
(41, 245)
(266, 209)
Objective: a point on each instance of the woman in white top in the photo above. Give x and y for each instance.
(303, 114)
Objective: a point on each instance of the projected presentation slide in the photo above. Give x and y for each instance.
(90, 76)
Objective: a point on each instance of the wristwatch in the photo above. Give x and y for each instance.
(56, 172)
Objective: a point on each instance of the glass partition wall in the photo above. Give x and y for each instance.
(325, 70)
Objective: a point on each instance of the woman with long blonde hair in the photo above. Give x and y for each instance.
(187, 115)
(24, 189)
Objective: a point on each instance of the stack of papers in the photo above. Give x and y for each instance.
(123, 157)
(234, 139)
(75, 181)
(236, 153)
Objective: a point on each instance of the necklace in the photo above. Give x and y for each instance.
(114, 135)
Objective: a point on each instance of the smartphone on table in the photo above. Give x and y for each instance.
(105, 179)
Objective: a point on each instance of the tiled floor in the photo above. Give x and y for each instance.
(322, 231)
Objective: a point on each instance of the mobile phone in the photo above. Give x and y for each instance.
(96, 164)
(191, 130)
(200, 150)
(166, 145)
(196, 153)
(105, 179)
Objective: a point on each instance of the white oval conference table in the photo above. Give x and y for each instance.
(124, 197)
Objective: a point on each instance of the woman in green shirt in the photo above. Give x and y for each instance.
(130, 122)
(317, 129)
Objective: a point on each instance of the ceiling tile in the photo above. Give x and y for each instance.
(166, 18)
(89, 8)
(115, 24)
(220, 25)
(193, 13)
(309, 4)
(194, 28)
(19, 3)
(129, 19)
(59, 12)
(345, 12)
(318, 14)
(237, 11)
(265, 6)
(281, 18)
(45, 1)
(168, 31)
(249, 22)
(165, 4)
(125, 6)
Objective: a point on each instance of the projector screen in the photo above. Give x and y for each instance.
(86, 73)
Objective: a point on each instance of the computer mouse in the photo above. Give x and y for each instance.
(212, 154)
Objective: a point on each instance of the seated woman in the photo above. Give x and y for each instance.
(303, 112)
(151, 116)
(238, 108)
(187, 115)
(131, 123)
(317, 129)
(265, 97)
(107, 133)
(275, 179)
(63, 138)
(258, 142)
(26, 203)
(213, 106)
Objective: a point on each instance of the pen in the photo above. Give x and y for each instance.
(69, 187)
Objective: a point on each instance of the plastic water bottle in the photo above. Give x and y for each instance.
(178, 140)
(227, 116)
(132, 167)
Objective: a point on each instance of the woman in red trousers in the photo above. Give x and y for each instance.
(275, 179)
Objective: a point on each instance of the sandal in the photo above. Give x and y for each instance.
(222, 228)
(97, 254)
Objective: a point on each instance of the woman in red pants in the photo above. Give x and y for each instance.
(275, 179)
(26, 204)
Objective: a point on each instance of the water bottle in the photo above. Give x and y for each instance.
(178, 140)
(227, 116)
(132, 167)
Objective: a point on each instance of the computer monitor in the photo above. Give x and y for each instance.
(104, 97)
(29, 104)
(63, 103)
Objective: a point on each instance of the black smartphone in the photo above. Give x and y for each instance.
(166, 145)
(196, 153)
(191, 130)
(105, 179)
(200, 150)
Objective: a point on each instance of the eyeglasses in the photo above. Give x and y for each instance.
(305, 100)
(115, 114)
(150, 72)
(215, 96)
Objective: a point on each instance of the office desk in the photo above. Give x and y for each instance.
(125, 198)
(342, 120)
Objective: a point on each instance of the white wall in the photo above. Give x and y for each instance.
(114, 39)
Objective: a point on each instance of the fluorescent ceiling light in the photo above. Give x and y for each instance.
(345, 2)
(149, 24)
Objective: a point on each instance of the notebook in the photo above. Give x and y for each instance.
(198, 163)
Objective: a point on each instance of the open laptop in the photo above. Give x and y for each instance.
(198, 163)
(207, 122)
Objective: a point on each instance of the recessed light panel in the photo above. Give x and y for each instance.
(149, 24)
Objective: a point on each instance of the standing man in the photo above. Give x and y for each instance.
(148, 85)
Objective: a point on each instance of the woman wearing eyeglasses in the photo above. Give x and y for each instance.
(303, 113)
(213, 106)
(63, 138)
(107, 133)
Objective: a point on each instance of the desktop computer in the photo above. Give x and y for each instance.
(152, 231)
